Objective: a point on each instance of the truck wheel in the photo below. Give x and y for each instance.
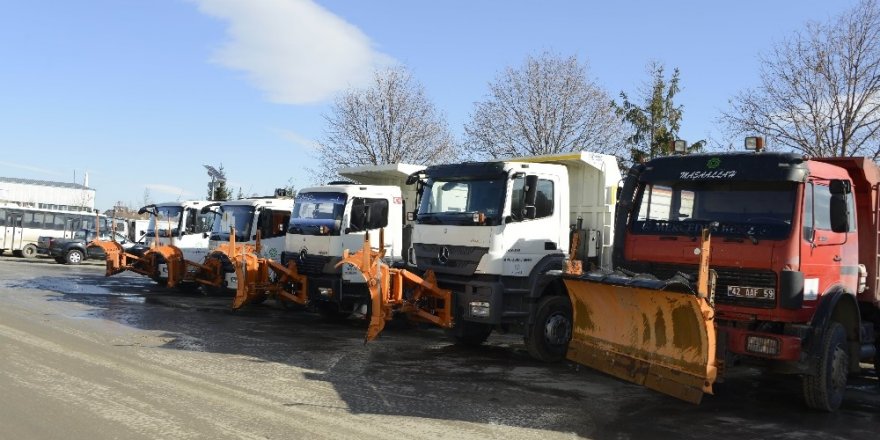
(29, 251)
(74, 256)
(471, 334)
(824, 390)
(330, 311)
(547, 339)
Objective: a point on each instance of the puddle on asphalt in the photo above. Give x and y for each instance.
(74, 286)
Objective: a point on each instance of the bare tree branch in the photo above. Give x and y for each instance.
(820, 89)
(547, 105)
(392, 121)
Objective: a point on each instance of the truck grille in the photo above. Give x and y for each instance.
(726, 277)
(312, 264)
(454, 260)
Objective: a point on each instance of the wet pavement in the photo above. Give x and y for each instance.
(411, 376)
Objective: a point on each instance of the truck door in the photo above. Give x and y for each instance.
(532, 231)
(826, 257)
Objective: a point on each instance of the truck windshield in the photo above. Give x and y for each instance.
(317, 213)
(753, 209)
(168, 220)
(239, 216)
(454, 202)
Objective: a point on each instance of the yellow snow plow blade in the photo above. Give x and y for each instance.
(660, 334)
(660, 339)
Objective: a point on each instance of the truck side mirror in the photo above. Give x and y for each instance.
(529, 210)
(839, 213)
(839, 208)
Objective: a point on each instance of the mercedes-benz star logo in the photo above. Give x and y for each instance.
(443, 255)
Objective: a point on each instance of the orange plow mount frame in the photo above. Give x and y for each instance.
(179, 269)
(254, 275)
(654, 333)
(425, 301)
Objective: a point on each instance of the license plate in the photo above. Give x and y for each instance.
(751, 292)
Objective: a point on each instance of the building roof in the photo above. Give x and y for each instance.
(43, 183)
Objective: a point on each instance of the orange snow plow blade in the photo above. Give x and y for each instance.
(660, 334)
(254, 275)
(661, 339)
(398, 290)
(179, 270)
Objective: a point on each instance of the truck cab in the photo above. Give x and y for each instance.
(180, 224)
(327, 220)
(266, 216)
(490, 231)
(794, 248)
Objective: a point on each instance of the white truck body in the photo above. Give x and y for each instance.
(180, 224)
(326, 220)
(269, 216)
(475, 231)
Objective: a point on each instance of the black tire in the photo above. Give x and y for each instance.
(824, 390)
(330, 311)
(470, 334)
(188, 287)
(547, 339)
(29, 251)
(59, 260)
(74, 256)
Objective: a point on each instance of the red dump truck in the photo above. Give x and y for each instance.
(794, 250)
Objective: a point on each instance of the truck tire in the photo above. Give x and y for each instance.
(547, 339)
(470, 334)
(73, 256)
(824, 390)
(29, 251)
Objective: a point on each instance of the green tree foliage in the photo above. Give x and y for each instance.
(655, 122)
(217, 189)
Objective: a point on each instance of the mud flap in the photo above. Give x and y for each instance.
(662, 339)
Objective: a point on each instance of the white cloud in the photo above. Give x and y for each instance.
(294, 50)
(168, 189)
(30, 168)
(299, 140)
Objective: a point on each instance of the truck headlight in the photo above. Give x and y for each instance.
(325, 291)
(762, 345)
(480, 309)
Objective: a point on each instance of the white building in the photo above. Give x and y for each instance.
(46, 194)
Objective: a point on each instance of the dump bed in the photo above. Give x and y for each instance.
(390, 174)
(865, 176)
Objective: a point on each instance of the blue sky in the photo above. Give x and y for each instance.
(141, 93)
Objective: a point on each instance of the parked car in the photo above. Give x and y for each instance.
(75, 250)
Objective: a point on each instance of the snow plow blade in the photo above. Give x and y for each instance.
(117, 261)
(662, 339)
(656, 333)
(257, 278)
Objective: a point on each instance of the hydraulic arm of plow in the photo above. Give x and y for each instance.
(257, 277)
(395, 290)
(656, 333)
(179, 269)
